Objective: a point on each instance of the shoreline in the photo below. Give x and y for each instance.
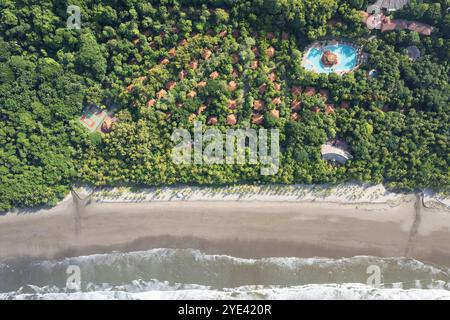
(251, 227)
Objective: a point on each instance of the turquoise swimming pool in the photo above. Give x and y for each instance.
(347, 59)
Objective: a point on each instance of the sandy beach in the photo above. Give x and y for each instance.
(245, 228)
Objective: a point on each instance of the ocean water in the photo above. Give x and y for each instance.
(347, 59)
(191, 274)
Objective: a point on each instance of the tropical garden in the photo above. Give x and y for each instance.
(228, 64)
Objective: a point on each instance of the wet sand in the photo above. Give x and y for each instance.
(238, 228)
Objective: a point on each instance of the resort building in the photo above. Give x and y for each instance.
(336, 151)
(419, 27)
(381, 22)
(391, 5)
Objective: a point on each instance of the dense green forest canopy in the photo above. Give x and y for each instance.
(215, 59)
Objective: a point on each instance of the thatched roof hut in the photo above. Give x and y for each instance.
(262, 88)
(270, 52)
(214, 75)
(272, 76)
(275, 113)
(172, 52)
(232, 85)
(276, 101)
(231, 119)
(232, 104)
(182, 74)
(294, 116)
(329, 58)
(193, 64)
(257, 119)
(202, 84)
(296, 91)
(206, 53)
(107, 125)
(191, 94)
(310, 91)
(161, 94)
(325, 94)
(212, 120)
(296, 105)
(192, 117)
(201, 109)
(258, 105)
(170, 85)
(329, 108)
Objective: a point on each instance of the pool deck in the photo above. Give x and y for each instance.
(333, 42)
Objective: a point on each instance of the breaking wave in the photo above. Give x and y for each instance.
(191, 274)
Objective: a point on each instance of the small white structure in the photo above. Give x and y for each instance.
(373, 73)
(334, 153)
(413, 53)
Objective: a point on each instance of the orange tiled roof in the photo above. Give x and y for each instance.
(296, 105)
(232, 86)
(258, 105)
(202, 84)
(172, 52)
(212, 120)
(296, 91)
(170, 85)
(214, 75)
(161, 94)
(231, 119)
(310, 91)
(206, 54)
(294, 116)
(275, 113)
(191, 94)
(257, 119)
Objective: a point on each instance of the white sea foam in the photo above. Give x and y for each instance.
(307, 292)
(191, 274)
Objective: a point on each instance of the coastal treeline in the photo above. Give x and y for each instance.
(228, 64)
